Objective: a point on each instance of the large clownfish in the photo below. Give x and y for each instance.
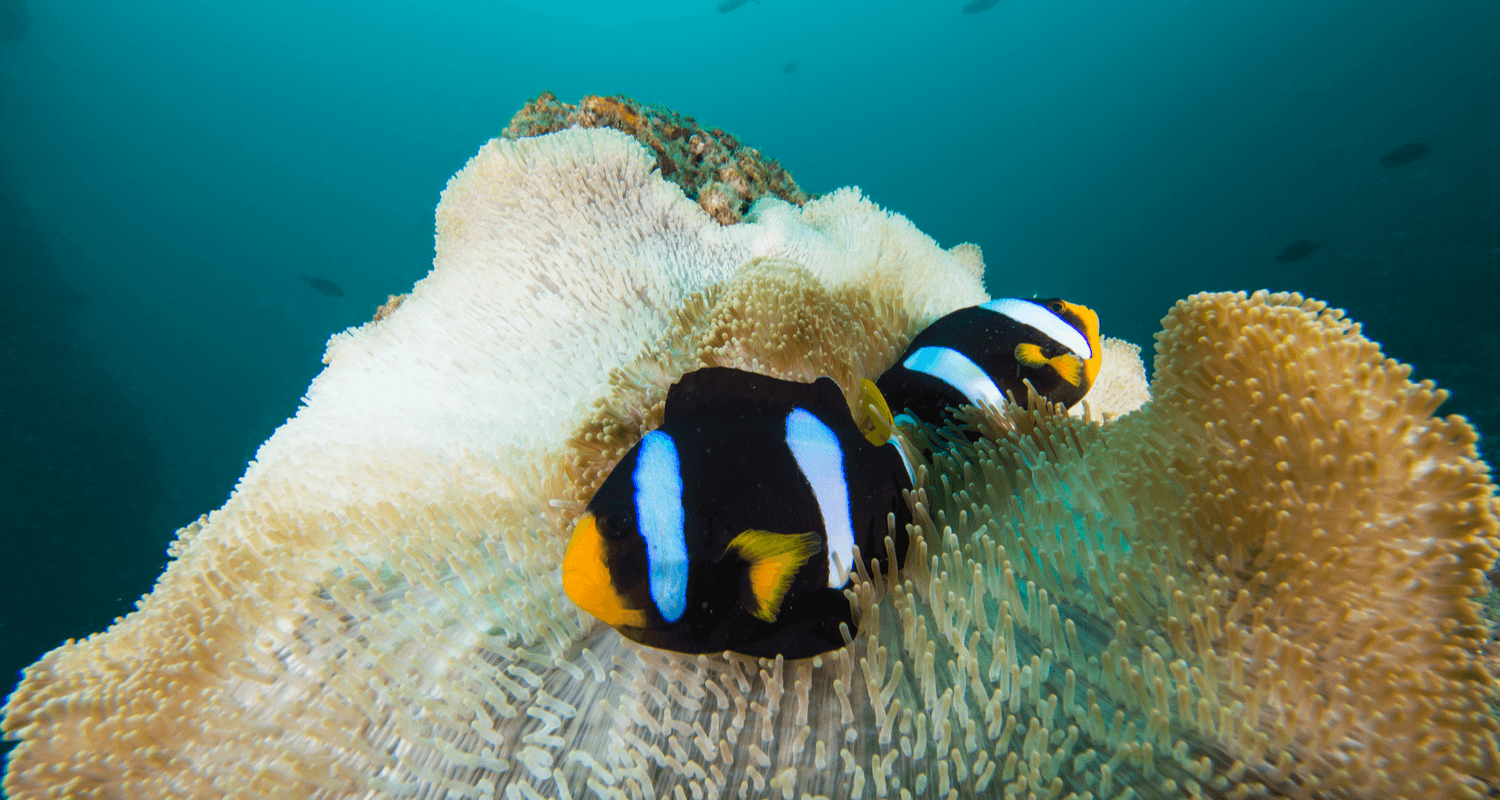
(984, 352)
(733, 525)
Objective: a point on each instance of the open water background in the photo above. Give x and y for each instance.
(170, 169)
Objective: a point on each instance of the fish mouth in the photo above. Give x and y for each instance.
(600, 599)
(587, 582)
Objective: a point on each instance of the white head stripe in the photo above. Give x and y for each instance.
(1042, 318)
(659, 517)
(956, 370)
(821, 460)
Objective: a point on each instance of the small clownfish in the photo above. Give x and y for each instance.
(733, 525)
(984, 352)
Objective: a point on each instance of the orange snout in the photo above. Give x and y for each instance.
(586, 578)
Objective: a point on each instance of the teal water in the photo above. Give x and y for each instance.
(171, 170)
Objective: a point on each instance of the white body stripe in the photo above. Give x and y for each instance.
(1042, 318)
(910, 473)
(659, 517)
(956, 370)
(821, 460)
(910, 422)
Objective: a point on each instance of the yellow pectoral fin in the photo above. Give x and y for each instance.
(587, 581)
(875, 421)
(1069, 366)
(1030, 355)
(773, 559)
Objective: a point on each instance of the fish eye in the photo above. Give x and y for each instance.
(612, 526)
(1055, 306)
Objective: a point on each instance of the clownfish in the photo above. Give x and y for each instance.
(733, 525)
(984, 352)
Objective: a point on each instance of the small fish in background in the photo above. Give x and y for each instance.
(984, 352)
(980, 5)
(733, 525)
(789, 67)
(1296, 251)
(324, 286)
(730, 5)
(1405, 154)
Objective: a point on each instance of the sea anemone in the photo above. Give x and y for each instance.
(378, 605)
(1256, 582)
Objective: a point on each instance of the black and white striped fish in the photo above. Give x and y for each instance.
(984, 352)
(733, 525)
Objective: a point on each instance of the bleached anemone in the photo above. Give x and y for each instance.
(1256, 583)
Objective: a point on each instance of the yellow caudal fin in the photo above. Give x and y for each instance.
(1069, 367)
(875, 420)
(773, 559)
(1030, 355)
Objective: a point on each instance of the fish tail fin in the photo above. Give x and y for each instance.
(875, 420)
(1069, 366)
(772, 560)
(1030, 355)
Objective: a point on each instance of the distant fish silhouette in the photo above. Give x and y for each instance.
(789, 67)
(1296, 251)
(324, 286)
(980, 5)
(730, 5)
(1405, 154)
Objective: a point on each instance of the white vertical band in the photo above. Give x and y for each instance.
(659, 517)
(821, 459)
(956, 370)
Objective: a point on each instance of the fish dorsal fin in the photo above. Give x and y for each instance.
(716, 387)
(875, 420)
(771, 561)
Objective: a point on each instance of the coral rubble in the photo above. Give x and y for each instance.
(713, 167)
